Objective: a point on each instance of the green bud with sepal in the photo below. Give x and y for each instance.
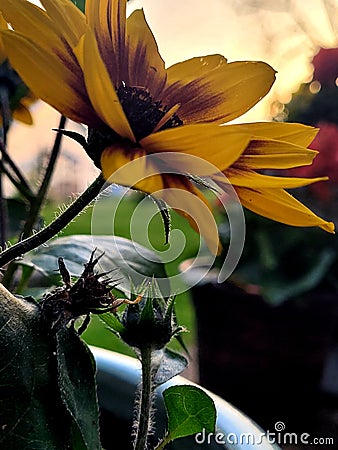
(151, 322)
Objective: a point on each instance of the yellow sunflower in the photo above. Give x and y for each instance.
(105, 71)
(19, 96)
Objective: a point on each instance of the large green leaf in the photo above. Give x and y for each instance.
(189, 410)
(76, 380)
(128, 260)
(47, 397)
(32, 416)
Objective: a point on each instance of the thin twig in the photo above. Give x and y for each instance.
(8, 160)
(25, 193)
(41, 195)
(6, 119)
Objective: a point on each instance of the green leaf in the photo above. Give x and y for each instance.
(112, 322)
(127, 259)
(147, 312)
(47, 396)
(190, 410)
(76, 381)
(171, 364)
(32, 416)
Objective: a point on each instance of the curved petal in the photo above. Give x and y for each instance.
(221, 94)
(273, 154)
(145, 67)
(31, 21)
(49, 78)
(130, 166)
(99, 87)
(3, 26)
(253, 180)
(279, 205)
(295, 133)
(181, 195)
(69, 20)
(107, 18)
(193, 68)
(127, 47)
(215, 144)
(22, 114)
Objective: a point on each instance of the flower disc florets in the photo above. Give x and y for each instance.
(143, 114)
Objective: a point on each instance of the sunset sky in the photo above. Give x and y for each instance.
(284, 33)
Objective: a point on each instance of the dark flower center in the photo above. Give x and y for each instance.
(143, 114)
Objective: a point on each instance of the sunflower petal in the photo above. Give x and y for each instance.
(31, 21)
(107, 18)
(249, 178)
(99, 87)
(41, 69)
(130, 167)
(145, 67)
(3, 26)
(221, 94)
(22, 114)
(295, 133)
(273, 154)
(193, 68)
(70, 21)
(279, 205)
(214, 144)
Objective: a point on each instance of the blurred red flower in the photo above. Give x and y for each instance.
(326, 67)
(326, 142)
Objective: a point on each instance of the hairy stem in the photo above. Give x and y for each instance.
(54, 227)
(143, 423)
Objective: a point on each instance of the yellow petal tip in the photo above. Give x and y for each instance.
(329, 227)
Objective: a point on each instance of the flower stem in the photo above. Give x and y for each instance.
(6, 120)
(146, 401)
(54, 227)
(35, 206)
(21, 180)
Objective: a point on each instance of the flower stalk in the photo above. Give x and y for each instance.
(6, 118)
(35, 206)
(143, 405)
(15, 175)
